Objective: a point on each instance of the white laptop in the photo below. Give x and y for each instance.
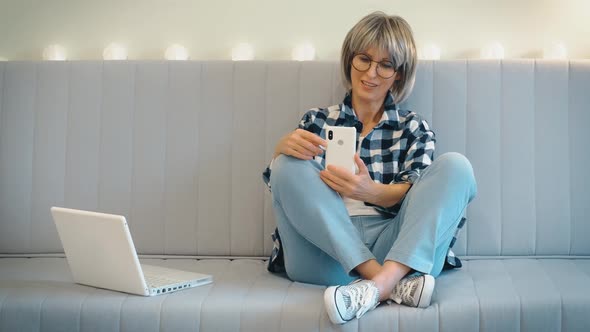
(100, 253)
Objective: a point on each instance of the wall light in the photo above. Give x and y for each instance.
(54, 52)
(557, 51)
(303, 52)
(176, 52)
(493, 50)
(114, 52)
(429, 51)
(242, 52)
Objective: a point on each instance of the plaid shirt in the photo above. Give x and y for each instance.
(398, 148)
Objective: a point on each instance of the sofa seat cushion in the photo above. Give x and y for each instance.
(525, 294)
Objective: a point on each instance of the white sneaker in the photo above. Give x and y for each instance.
(414, 291)
(343, 303)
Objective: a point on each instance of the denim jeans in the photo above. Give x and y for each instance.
(322, 244)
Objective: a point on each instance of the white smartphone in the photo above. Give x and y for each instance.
(341, 147)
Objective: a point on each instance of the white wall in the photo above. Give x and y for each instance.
(209, 29)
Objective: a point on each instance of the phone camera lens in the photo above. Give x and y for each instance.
(330, 134)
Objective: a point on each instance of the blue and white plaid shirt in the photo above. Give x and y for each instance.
(398, 148)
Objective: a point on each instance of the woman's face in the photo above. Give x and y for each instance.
(368, 86)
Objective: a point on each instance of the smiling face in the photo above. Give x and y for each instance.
(380, 36)
(368, 87)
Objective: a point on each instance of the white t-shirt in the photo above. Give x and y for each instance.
(358, 208)
(355, 207)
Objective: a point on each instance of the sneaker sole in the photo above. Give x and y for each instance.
(330, 303)
(427, 290)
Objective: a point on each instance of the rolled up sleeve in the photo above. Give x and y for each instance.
(419, 155)
(307, 123)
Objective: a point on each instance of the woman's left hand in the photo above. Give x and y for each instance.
(356, 186)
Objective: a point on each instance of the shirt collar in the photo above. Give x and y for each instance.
(390, 116)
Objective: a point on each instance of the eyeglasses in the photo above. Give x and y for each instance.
(362, 62)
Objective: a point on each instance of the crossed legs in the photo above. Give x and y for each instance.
(323, 246)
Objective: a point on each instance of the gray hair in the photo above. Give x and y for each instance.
(394, 35)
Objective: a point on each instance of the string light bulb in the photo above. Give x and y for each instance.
(303, 52)
(429, 51)
(114, 52)
(54, 52)
(557, 51)
(176, 52)
(242, 52)
(493, 50)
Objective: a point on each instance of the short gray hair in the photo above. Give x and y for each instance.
(394, 35)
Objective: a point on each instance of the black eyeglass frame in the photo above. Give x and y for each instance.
(379, 65)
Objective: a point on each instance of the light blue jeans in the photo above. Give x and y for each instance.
(323, 244)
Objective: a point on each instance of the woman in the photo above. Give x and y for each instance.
(389, 227)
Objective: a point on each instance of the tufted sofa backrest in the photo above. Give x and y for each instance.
(179, 147)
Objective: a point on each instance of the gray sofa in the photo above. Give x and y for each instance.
(179, 147)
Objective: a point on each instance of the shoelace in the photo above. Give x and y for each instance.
(362, 298)
(404, 290)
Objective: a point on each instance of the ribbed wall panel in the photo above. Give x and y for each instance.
(449, 107)
(179, 147)
(338, 85)
(215, 139)
(449, 114)
(282, 110)
(17, 136)
(149, 157)
(552, 158)
(517, 158)
(422, 100)
(83, 133)
(1, 116)
(116, 139)
(248, 159)
(49, 153)
(484, 79)
(269, 222)
(182, 118)
(2, 66)
(315, 80)
(579, 153)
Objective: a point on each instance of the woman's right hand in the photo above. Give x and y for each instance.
(300, 144)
